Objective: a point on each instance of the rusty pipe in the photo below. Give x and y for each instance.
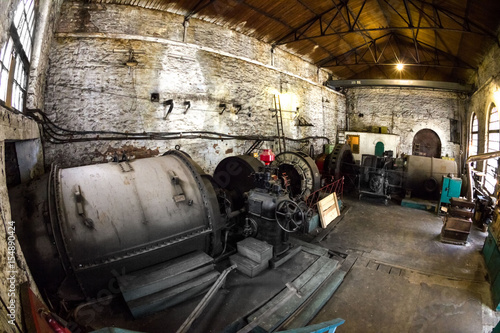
(476, 158)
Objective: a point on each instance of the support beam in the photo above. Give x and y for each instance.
(450, 86)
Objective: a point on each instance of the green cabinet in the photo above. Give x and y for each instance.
(451, 189)
(491, 255)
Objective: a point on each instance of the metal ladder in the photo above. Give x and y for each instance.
(340, 135)
(279, 124)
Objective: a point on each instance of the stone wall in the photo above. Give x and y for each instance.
(47, 16)
(90, 89)
(18, 128)
(484, 98)
(406, 111)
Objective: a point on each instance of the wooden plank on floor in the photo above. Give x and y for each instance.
(165, 275)
(310, 248)
(151, 288)
(281, 314)
(169, 297)
(316, 302)
(372, 265)
(277, 262)
(297, 283)
(384, 268)
(324, 232)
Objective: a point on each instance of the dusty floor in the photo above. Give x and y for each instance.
(400, 278)
(403, 278)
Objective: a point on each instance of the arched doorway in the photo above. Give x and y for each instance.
(379, 149)
(427, 143)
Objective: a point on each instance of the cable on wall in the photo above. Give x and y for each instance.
(56, 134)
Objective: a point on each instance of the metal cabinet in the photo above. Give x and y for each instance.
(451, 189)
(491, 255)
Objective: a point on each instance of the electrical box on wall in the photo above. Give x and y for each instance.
(455, 131)
(155, 97)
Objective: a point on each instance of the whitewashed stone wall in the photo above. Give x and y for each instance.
(405, 112)
(482, 100)
(18, 127)
(89, 87)
(47, 16)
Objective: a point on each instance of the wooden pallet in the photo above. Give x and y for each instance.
(328, 209)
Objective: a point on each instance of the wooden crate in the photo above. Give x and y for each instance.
(328, 209)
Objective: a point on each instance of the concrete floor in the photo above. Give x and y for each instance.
(403, 278)
(400, 278)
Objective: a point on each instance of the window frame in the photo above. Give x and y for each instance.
(474, 135)
(15, 57)
(492, 145)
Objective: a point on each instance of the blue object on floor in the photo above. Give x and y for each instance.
(114, 330)
(325, 327)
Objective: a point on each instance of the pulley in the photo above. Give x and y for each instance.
(300, 170)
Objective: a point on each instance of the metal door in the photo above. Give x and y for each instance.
(427, 143)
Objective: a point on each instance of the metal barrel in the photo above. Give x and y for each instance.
(111, 219)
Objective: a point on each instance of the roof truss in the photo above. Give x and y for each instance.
(323, 21)
(384, 50)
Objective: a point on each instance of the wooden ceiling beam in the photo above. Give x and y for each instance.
(198, 7)
(463, 21)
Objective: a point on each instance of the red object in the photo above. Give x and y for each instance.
(320, 162)
(267, 156)
(56, 327)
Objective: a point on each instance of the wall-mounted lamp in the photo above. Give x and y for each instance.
(223, 106)
(131, 61)
(169, 102)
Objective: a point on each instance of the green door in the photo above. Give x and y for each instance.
(379, 149)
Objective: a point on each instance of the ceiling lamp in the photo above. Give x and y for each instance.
(400, 66)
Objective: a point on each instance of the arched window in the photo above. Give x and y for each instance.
(493, 145)
(15, 56)
(474, 136)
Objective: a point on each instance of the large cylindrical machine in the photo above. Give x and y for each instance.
(424, 175)
(90, 223)
(234, 175)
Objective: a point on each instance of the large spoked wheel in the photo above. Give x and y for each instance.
(289, 216)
